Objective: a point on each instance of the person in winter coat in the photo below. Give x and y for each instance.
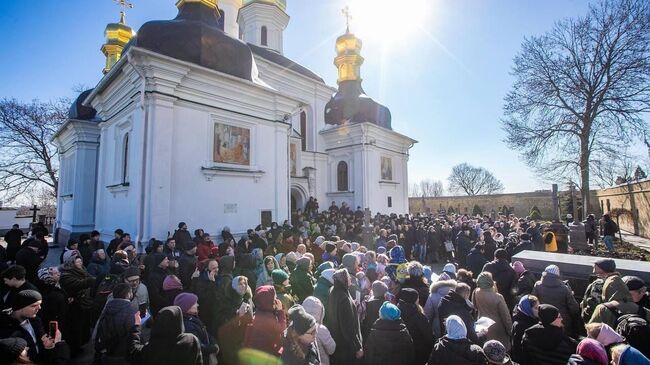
(546, 343)
(325, 342)
(323, 285)
(552, 290)
(182, 236)
(525, 316)
(455, 348)
(525, 282)
(350, 262)
(172, 286)
(628, 355)
(55, 300)
(550, 242)
(114, 327)
(491, 304)
(373, 303)
(476, 259)
(525, 244)
(269, 322)
(205, 288)
(264, 276)
(77, 283)
(456, 302)
(13, 238)
(205, 248)
(226, 272)
(154, 281)
(28, 257)
(609, 231)
(496, 353)
(437, 291)
(342, 321)
(187, 264)
(417, 324)
(504, 276)
(99, 264)
(604, 334)
(330, 253)
(617, 301)
(417, 281)
(188, 303)
(169, 344)
(389, 341)
(15, 281)
(301, 280)
(589, 352)
(299, 344)
(238, 294)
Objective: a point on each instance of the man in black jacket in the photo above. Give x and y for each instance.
(114, 327)
(13, 238)
(503, 274)
(29, 258)
(14, 280)
(182, 236)
(154, 282)
(456, 302)
(187, 264)
(546, 343)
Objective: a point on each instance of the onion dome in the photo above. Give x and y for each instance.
(117, 36)
(282, 4)
(194, 36)
(79, 111)
(350, 104)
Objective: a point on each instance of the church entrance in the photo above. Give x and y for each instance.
(298, 199)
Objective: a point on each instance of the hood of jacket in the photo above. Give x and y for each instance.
(314, 307)
(442, 286)
(349, 262)
(226, 265)
(168, 325)
(615, 289)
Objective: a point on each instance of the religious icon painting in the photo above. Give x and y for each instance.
(231, 144)
(386, 168)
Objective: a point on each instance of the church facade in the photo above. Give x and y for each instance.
(203, 119)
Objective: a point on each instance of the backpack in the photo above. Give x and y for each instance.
(593, 297)
(634, 327)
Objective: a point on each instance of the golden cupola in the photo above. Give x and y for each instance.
(348, 60)
(117, 36)
(212, 4)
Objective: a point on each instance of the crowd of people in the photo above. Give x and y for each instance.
(313, 291)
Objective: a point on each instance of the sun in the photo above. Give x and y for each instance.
(388, 20)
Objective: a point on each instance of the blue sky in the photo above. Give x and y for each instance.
(444, 82)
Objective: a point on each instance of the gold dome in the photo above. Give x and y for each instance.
(117, 36)
(282, 4)
(348, 60)
(209, 3)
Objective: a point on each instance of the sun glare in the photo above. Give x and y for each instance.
(387, 20)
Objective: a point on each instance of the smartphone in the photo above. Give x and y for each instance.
(54, 326)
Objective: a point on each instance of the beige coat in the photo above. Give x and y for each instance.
(491, 304)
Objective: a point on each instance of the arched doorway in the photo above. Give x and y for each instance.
(298, 198)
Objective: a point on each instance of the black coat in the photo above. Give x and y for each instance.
(475, 261)
(194, 326)
(520, 323)
(77, 284)
(372, 314)
(420, 286)
(420, 329)
(169, 345)
(11, 292)
(523, 246)
(505, 277)
(456, 352)
(114, 327)
(10, 327)
(154, 285)
(182, 237)
(343, 322)
(547, 345)
(389, 343)
(30, 260)
(452, 303)
(13, 238)
(186, 267)
(206, 290)
(54, 306)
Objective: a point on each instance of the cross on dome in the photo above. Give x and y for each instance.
(123, 4)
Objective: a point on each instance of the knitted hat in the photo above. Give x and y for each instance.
(264, 298)
(279, 276)
(186, 301)
(292, 257)
(495, 352)
(455, 326)
(11, 348)
(607, 265)
(131, 271)
(25, 298)
(389, 312)
(547, 313)
(518, 266)
(449, 268)
(300, 320)
(70, 255)
(552, 269)
(328, 274)
(172, 282)
(592, 350)
(633, 282)
(330, 246)
(485, 281)
(379, 289)
(408, 295)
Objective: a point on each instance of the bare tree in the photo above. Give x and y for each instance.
(580, 91)
(28, 158)
(605, 172)
(472, 180)
(431, 188)
(414, 190)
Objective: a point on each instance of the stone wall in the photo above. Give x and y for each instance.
(518, 204)
(635, 198)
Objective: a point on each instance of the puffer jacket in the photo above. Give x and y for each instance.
(456, 352)
(389, 342)
(551, 290)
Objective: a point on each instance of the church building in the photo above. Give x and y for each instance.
(203, 119)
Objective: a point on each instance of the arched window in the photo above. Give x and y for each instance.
(342, 176)
(303, 130)
(264, 34)
(125, 159)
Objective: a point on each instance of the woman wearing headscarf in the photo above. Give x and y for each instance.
(454, 348)
(99, 264)
(76, 282)
(343, 322)
(389, 341)
(264, 276)
(491, 304)
(552, 290)
(55, 303)
(628, 355)
(169, 344)
(589, 352)
(325, 342)
(525, 316)
(604, 334)
(269, 322)
(189, 305)
(300, 339)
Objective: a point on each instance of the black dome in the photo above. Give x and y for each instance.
(194, 36)
(79, 111)
(350, 104)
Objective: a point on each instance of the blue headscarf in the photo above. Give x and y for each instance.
(525, 307)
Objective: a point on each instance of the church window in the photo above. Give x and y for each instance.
(342, 176)
(264, 35)
(390, 201)
(125, 159)
(303, 130)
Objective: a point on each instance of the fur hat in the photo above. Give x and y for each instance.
(408, 295)
(389, 312)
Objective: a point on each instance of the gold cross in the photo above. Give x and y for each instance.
(124, 4)
(346, 14)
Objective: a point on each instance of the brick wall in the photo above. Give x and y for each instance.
(634, 197)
